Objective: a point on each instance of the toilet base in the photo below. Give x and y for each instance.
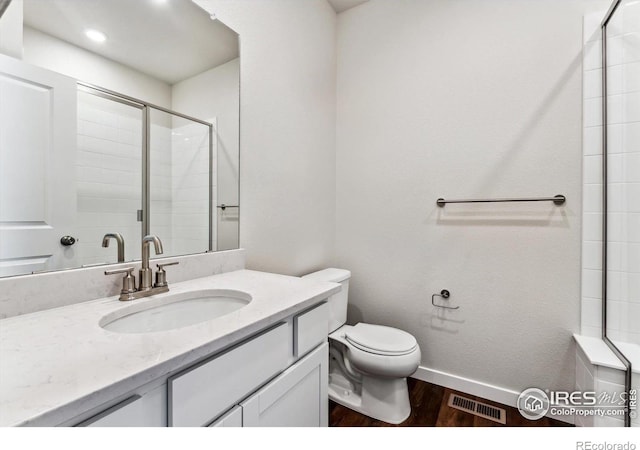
(380, 398)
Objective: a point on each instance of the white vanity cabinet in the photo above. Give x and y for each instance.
(296, 398)
(277, 377)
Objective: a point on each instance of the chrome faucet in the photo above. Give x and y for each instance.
(119, 239)
(146, 274)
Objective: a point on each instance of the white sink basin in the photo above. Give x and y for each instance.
(175, 311)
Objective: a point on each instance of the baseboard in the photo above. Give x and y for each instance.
(474, 387)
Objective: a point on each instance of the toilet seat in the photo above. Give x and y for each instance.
(381, 340)
(368, 352)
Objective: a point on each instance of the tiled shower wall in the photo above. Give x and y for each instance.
(623, 175)
(108, 178)
(190, 186)
(161, 201)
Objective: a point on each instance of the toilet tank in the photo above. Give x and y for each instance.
(337, 302)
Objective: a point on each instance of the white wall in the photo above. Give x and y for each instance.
(50, 53)
(464, 99)
(287, 189)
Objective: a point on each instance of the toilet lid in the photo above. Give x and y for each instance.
(380, 339)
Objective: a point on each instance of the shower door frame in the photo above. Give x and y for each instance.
(605, 338)
(146, 108)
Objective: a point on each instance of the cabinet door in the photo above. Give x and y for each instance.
(231, 419)
(296, 398)
(205, 391)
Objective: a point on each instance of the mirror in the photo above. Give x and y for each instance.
(117, 118)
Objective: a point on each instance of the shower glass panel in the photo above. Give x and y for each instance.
(108, 177)
(182, 182)
(622, 190)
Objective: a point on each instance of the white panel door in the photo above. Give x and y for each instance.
(37, 167)
(296, 398)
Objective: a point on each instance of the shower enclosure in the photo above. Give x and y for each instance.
(151, 169)
(621, 189)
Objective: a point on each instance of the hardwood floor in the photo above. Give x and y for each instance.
(429, 409)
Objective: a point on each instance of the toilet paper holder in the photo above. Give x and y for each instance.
(445, 294)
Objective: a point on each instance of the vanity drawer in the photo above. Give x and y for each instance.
(310, 329)
(148, 410)
(205, 391)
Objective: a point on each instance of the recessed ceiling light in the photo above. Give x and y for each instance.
(95, 35)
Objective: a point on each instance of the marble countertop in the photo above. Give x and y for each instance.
(58, 363)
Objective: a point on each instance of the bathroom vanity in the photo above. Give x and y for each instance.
(263, 364)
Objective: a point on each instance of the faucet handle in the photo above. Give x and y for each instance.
(161, 275)
(128, 281)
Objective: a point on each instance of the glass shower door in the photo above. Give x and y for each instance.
(622, 166)
(182, 183)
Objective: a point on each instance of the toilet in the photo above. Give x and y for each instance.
(368, 364)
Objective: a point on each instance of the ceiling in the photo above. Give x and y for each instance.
(343, 5)
(170, 40)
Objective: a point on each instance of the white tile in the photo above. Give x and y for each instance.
(591, 283)
(615, 49)
(591, 312)
(592, 86)
(617, 286)
(633, 318)
(633, 258)
(633, 287)
(616, 255)
(615, 134)
(615, 313)
(615, 168)
(592, 55)
(592, 140)
(592, 255)
(593, 112)
(631, 107)
(616, 109)
(631, 136)
(631, 76)
(615, 83)
(631, 164)
(617, 226)
(592, 169)
(616, 197)
(630, 44)
(632, 197)
(631, 19)
(592, 227)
